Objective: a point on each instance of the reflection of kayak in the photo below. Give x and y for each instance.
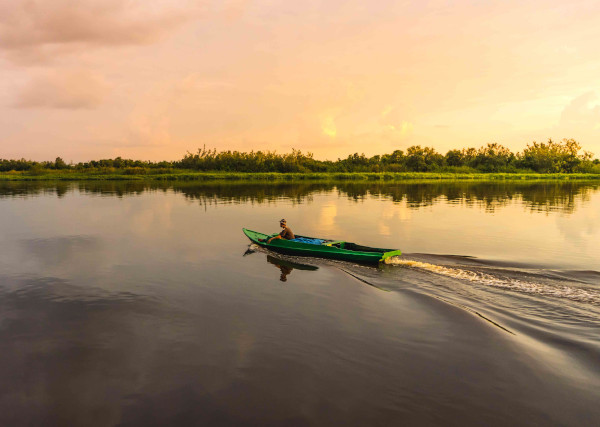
(333, 249)
(289, 264)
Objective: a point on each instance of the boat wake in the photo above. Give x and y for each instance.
(556, 290)
(545, 283)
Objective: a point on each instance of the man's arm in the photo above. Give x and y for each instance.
(272, 238)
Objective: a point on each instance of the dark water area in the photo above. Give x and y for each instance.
(144, 304)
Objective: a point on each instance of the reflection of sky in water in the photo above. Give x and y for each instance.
(512, 232)
(327, 219)
(582, 227)
(452, 221)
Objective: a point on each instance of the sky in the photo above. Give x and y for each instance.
(153, 79)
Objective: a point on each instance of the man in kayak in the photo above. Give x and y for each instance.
(286, 233)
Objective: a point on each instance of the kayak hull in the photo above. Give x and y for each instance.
(339, 250)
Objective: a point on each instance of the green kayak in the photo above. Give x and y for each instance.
(333, 249)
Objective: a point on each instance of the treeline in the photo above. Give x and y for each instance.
(93, 165)
(565, 156)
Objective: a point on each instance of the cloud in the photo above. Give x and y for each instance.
(71, 89)
(328, 126)
(234, 9)
(582, 111)
(35, 30)
(148, 130)
(391, 119)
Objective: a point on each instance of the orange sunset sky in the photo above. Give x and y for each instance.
(150, 79)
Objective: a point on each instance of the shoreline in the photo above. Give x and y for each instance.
(293, 176)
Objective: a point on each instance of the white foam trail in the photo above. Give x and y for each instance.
(559, 291)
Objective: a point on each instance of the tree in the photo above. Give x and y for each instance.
(60, 164)
(493, 158)
(554, 156)
(423, 159)
(455, 158)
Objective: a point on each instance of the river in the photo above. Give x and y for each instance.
(132, 303)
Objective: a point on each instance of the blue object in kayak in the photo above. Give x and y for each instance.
(307, 240)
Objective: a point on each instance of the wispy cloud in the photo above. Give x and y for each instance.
(65, 89)
(582, 111)
(36, 30)
(393, 119)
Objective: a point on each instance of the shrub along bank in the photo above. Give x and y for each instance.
(564, 157)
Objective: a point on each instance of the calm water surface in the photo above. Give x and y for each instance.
(144, 304)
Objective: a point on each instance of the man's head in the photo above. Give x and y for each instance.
(282, 223)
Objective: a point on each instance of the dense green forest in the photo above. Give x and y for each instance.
(565, 156)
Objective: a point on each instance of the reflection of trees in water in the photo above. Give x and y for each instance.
(537, 195)
(33, 188)
(253, 192)
(108, 188)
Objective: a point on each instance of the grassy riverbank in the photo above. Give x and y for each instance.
(184, 175)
